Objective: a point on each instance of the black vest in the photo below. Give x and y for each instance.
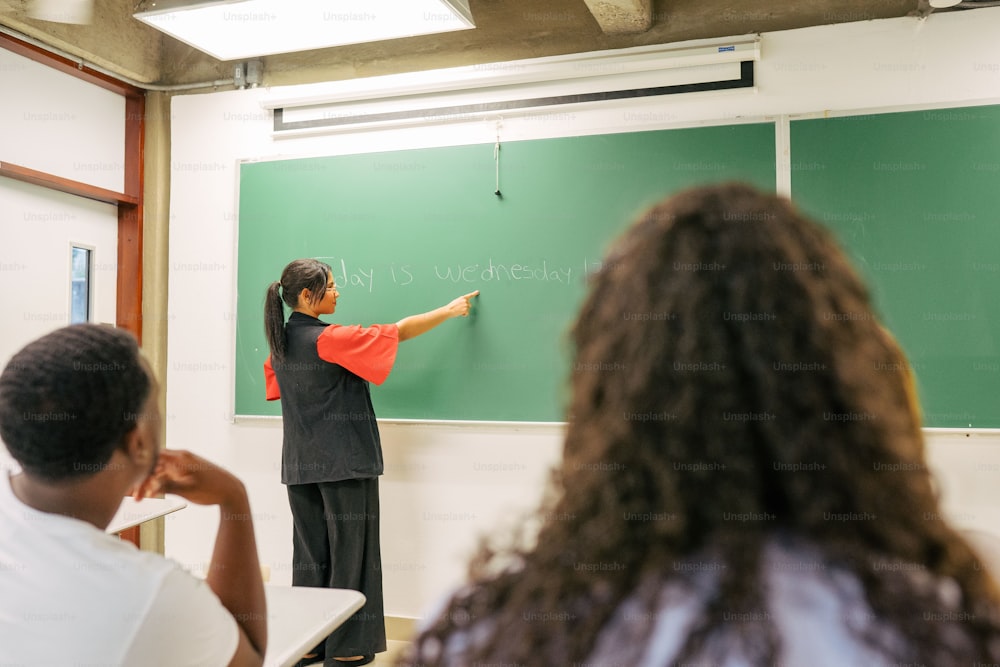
(330, 432)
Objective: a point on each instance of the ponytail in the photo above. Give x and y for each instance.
(301, 274)
(274, 321)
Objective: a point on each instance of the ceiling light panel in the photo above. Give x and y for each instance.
(240, 30)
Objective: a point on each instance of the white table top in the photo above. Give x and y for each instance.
(132, 512)
(299, 617)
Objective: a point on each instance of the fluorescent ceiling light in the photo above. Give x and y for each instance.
(62, 11)
(239, 29)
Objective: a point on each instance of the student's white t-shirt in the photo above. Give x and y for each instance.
(71, 594)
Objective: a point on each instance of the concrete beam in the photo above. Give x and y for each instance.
(622, 17)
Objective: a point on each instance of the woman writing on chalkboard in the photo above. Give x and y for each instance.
(743, 478)
(331, 452)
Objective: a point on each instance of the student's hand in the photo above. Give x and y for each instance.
(460, 307)
(191, 477)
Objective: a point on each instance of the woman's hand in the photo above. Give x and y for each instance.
(461, 306)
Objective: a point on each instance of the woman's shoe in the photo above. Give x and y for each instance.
(316, 654)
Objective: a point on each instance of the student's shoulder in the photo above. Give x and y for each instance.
(301, 320)
(814, 603)
(133, 563)
(360, 332)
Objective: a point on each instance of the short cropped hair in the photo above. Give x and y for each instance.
(68, 399)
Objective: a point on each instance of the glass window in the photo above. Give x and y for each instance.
(79, 310)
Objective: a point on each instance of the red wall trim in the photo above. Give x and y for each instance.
(61, 184)
(130, 217)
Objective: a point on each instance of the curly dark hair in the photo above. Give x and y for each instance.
(731, 385)
(68, 399)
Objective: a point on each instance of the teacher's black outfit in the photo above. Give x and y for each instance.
(331, 460)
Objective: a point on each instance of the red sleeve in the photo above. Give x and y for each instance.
(270, 381)
(368, 352)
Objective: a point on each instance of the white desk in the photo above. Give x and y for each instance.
(299, 617)
(132, 512)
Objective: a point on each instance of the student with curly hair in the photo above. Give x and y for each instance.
(743, 478)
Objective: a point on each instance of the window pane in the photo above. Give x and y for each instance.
(80, 299)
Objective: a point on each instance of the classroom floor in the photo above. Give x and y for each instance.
(389, 657)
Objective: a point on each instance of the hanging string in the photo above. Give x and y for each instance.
(496, 159)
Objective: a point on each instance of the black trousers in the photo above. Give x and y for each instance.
(336, 545)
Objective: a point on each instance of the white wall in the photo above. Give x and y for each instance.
(81, 123)
(82, 128)
(447, 484)
(38, 226)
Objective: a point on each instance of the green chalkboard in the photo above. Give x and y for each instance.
(407, 231)
(915, 197)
